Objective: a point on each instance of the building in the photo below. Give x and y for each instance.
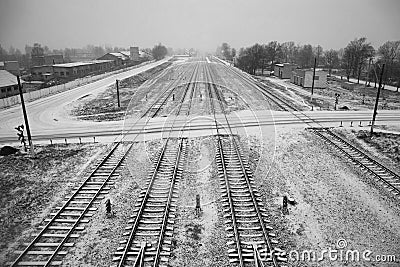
(10, 66)
(42, 60)
(284, 71)
(120, 58)
(304, 78)
(134, 53)
(42, 73)
(80, 69)
(143, 55)
(8, 84)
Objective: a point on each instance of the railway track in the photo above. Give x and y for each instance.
(159, 104)
(188, 93)
(389, 179)
(252, 241)
(148, 241)
(62, 229)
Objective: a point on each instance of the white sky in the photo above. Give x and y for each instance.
(202, 24)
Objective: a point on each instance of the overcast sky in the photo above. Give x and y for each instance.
(201, 24)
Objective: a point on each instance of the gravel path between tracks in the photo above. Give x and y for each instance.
(102, 235)
(334, 201)
(31, 186)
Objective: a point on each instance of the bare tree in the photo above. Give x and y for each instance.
(389, 52)
(331, 59)
(355, 56)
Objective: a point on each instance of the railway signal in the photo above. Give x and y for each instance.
(25, 115)
(20, 135)
(377, 100)
(336, 99)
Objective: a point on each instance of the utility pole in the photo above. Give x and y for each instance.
(377, 99)
(313, 77)
(312, 85)
(119, 104)
(28, 131)
(367, 80)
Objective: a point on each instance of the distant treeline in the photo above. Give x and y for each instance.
(359, 59)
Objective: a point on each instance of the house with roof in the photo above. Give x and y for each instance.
(304, 77)
(8, 84)
(80, 69)
(120, 58)
(284, 71)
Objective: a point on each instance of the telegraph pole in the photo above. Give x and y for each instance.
(28, 131)
(367, 80)
(313, 77)
(312, 85)
(119, 104)
(377, 99)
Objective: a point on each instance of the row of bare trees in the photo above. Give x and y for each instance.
(358, 59)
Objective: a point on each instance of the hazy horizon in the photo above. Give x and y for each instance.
(202, 25)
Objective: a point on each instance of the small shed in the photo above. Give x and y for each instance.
(304, 78)
(284, 71)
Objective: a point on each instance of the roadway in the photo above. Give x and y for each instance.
(50, 117)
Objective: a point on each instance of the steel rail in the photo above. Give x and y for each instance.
(244, 171)
(45, 228)
(189, 85)
(168, 206)
(362, 154)
(141, 209)
(140, 257)
(287, 107)
(229, 195)
(88, 206)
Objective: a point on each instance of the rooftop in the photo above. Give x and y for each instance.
(7, 79)
(77, 64)
(126, 53)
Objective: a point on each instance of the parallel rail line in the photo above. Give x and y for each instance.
(148, 241)
(246, 217)
(51, 243)
(152, 223)
(390, 179)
